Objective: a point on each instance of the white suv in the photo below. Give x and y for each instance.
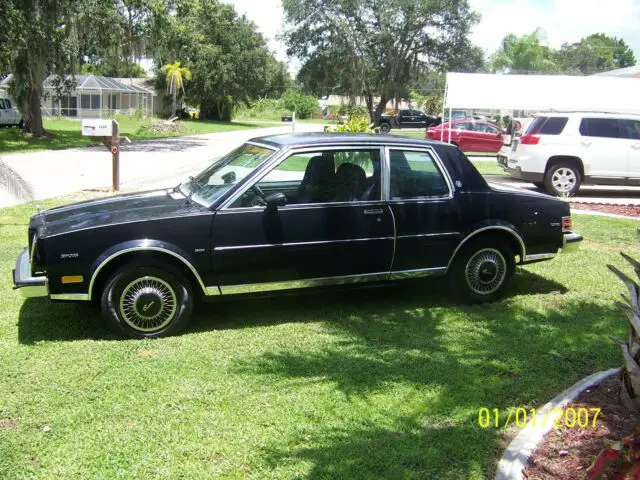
(561, 151)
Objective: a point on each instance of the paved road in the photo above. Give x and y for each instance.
(165, 162)
(143, 165)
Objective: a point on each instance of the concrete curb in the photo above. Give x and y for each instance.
(516, 456)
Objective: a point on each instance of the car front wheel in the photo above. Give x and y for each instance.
(147, 301)
(482, 270)
(562, 179)
(385, 127)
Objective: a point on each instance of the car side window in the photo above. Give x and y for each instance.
(319, 177)
(7, 104)
(600, 127)
(1, 104)
(630, 129)
(415, 174)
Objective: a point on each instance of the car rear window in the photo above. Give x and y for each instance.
(630, 129)
(547, 125)
(600, 127)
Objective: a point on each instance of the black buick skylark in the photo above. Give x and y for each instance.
(289, 212)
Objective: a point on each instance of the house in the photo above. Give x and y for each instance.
(99, 96)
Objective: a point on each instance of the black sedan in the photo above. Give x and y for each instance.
(290, 212)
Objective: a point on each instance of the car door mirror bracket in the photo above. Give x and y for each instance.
(276, 200)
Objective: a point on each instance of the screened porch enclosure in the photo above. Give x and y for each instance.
(96, 96)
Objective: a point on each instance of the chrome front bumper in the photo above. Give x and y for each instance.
(29, 286)
(571, 242)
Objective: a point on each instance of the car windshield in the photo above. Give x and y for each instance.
(209, 185)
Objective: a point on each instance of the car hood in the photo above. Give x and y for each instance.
(117, 209)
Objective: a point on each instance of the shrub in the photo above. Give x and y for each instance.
(354, 124)
(296, 101)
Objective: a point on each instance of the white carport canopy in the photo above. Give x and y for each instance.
(542, 92)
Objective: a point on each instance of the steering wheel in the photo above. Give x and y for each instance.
(259, 199)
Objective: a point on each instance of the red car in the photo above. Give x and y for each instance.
(470, 135)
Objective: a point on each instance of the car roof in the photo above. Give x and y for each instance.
(586, 114)
(322, 138)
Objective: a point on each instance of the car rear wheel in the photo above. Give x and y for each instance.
(385, 127)
(562, 179)
(482, 270)
(147, 300)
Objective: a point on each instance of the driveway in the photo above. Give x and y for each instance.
(143, 165)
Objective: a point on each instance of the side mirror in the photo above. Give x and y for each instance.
(276, 200)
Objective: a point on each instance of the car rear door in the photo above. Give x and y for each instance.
(603, 153)
(334, 228)
(425, 210)
(4, 116)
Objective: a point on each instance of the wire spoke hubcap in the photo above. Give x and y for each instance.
(485, 271)
(563, 180)
(148, 304)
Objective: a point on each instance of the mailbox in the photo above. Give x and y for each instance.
(97, 128)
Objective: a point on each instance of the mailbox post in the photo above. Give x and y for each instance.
(106, 132)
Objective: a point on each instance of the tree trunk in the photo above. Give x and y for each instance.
(380, 108)
(369, 100)
(173, 108)
(33, 112)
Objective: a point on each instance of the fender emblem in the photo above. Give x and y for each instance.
(69, 255)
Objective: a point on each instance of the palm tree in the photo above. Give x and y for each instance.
(14, 183)
(175, 76)
(526, 53)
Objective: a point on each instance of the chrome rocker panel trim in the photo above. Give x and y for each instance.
(325, 281)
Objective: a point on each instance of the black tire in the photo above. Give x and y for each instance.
(455, 144)
(539, 185)
(385, 127)
(21, 124)
(136, 287)
(563, 178)
(482, 270)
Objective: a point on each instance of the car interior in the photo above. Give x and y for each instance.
(347, 176)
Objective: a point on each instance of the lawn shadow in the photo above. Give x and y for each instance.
(42, 320)
(517, 357)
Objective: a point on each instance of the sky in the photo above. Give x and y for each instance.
(561, 20)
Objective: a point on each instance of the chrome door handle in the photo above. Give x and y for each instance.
(373, 211)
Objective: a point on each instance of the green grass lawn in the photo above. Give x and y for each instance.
(374, 383)
(66, 133)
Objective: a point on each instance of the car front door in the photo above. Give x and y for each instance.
(335, 227)
(603, 152)
(631, 134)
(405, 119)
(425, 209)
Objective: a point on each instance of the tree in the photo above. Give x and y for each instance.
(523, 54)
(175, 76)
(595, 53)
(227, 56)
(367, 48)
